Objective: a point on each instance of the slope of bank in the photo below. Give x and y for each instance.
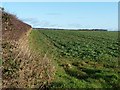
(22, 67)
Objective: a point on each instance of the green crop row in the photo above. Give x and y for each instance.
(84, 59)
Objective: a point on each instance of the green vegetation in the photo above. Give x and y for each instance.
(0, 61)
(82, 59)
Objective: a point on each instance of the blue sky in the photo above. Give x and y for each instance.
(73, 15)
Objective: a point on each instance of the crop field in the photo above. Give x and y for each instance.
(82, 59)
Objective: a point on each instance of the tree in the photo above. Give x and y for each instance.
(1, 8)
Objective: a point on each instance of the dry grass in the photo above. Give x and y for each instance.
(33, 70)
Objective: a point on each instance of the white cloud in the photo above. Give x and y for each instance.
(36, 23)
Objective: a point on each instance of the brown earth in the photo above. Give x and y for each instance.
(12, 27)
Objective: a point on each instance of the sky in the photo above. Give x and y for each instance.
(67, 15)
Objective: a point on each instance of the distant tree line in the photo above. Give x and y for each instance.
(93, 29)
(70, 29)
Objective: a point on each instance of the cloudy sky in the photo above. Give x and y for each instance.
(73, 15)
